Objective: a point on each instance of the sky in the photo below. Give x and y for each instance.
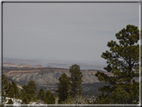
(64, 31)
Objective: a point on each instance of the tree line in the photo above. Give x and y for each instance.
(122, 60)
(28, 93)
(68, 87)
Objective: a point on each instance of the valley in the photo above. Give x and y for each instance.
(47, 77)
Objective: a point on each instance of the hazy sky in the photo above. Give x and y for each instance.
(63, 31)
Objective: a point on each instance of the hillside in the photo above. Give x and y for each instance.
(44, 77)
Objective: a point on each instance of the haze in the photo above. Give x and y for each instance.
(63, 31)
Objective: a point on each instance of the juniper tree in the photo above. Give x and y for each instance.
(63, 87)
(76, 80)
(123, 62)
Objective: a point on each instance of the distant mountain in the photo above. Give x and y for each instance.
(45, 77)
(57, 63)
(9, 64)
(19, 61)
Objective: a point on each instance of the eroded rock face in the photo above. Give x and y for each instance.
(44, 76)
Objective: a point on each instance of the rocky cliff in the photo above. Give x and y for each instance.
(45, 76)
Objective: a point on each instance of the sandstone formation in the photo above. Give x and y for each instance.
(44, 76)
(8, 64)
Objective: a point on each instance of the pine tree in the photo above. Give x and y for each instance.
(16, 90)
(63, 87)
(28, 98)
(123, 62)
(31, 89)
(50, 99)
(41, 94)
(23, 94)
(76, 80)
(11, 92)
(25, 100)
(5, 85)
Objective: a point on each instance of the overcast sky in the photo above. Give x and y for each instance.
(63, 31)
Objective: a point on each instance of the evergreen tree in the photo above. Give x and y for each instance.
(11, 92)
(10, 89)
(31, 89)
(16, 90)
(5, 85)
(23, 94)
(76, 80)
(28, 98)
(25, 87)
(25, 100)
(122, 60)
(50, 99)
(63, 87)
(41, 94)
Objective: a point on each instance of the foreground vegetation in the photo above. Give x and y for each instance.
(27, 94)
(123, 62)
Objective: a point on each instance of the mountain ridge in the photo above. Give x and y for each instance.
(56, 63)
(18, 73)
(44, 77)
